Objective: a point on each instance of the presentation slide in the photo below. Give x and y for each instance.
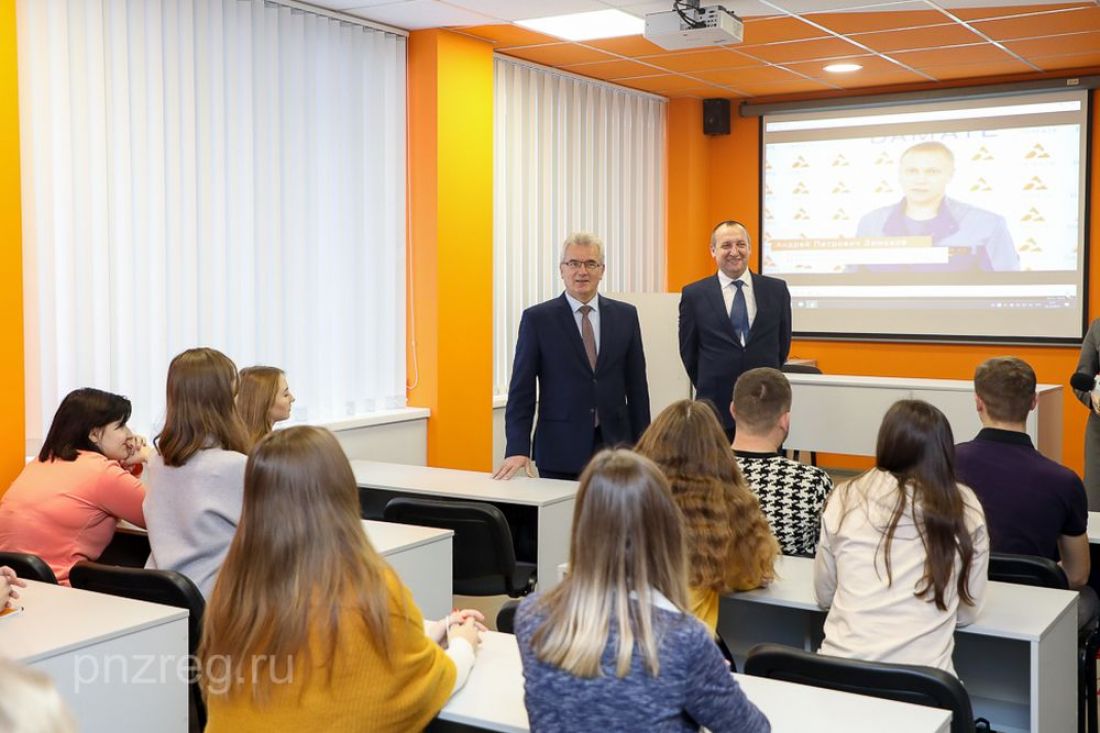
(952, 220)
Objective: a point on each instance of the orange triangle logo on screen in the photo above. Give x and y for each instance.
(1035, 184)
(982, 154)
(1037, 152)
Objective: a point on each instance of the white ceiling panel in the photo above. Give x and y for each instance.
(417, 14)
(345, 5)
(509, 10)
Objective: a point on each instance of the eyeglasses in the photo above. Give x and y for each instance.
(589, 265)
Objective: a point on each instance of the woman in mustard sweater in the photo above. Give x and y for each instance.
(308, 629)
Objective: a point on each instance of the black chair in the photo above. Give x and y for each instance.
(483, 558)
(909, 683)
(802, 369)
(166, 587)
(506, 617)
(28, 566)
(1042, 572)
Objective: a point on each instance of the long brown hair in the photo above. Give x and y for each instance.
(916, 446)
(298, 561)
(627, 539)
(729, 540)
(258, 389)
(200, 411)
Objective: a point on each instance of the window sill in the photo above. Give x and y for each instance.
(384, 417)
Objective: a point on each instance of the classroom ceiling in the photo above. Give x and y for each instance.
(787, 42)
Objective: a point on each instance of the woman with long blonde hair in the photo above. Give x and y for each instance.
(263, 400)
(612, 647)
(730, 543)
(195, 481)
(904, 550)
(308, 629)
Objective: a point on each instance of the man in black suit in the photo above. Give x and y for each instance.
(732, 322)
(585, 353)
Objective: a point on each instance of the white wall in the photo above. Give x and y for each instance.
(397, 437)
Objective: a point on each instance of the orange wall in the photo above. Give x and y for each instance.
(732, 175)
(451, 244)
(12, 440)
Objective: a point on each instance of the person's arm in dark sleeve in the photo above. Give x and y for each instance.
(519, 414)
(785, 326)
(689, 340)
(637, 386)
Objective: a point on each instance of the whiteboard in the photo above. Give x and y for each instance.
(659, 315)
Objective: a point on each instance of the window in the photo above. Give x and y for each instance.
(571, 155)
(226, 173)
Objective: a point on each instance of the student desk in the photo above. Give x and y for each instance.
(115, 661)
(421, 556)
(1018, 660)
(493, 700)
(543, 507)
(821, 402)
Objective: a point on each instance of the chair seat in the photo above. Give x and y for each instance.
(523, 582)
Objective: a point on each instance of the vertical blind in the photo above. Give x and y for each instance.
(571, 155)
(225, 173)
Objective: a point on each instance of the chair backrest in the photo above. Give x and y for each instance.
(506, 617)
(482, 542)
(909, 683)
(1032, 570)
(800, 369)
(166, 587)
(28, 566)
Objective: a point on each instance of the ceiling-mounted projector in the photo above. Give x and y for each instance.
(689, 26)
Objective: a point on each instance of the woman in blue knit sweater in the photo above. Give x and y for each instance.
(611, 647)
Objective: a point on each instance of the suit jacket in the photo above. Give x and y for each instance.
(712, 355)
(570, 394)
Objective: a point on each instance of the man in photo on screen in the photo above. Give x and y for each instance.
(976, 239)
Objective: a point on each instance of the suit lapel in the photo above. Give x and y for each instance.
(718, 304)
(760, 294)
(568, 324)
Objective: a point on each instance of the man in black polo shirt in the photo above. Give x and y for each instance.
(1033, 506)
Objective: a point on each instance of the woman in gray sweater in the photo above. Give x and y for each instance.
(195, 483)
(611, 647)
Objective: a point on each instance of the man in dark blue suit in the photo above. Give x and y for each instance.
(732, 322)
(585, 353)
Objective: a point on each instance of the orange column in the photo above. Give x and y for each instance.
(688, 217)
(451, 244)
(12, 407)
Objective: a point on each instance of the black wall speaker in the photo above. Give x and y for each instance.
(716, 117)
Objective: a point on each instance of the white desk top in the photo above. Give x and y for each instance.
(470, 485)
(389, 538)
(1094, 527)
(1009, 611)
(912, 383)
(493, 699)
(57, 619)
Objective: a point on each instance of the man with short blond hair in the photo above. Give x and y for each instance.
(791, 494)
(1033, 505)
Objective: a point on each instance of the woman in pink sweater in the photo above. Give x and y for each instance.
(65, 505)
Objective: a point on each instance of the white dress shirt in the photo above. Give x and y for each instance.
(729, 291)
(593, 316)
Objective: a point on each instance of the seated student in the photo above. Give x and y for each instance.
(791, 493)
(263, 400)
(9, 581)
(64, 506)
(730, 545)
(308, 629)
(196, 480)
(611, 647)
(904, 549)
(1033, 506)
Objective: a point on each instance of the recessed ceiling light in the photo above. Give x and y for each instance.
(842, 68)
(587, 26)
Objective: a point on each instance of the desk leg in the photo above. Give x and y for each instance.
(1054, 676)
(555, 527)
